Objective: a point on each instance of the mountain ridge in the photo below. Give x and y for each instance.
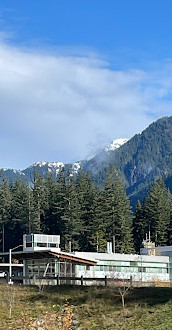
(139, 161)
(45, 167)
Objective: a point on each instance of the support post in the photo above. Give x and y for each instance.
(82, 281)
(105, 280)
(10, 267)
(58, 281)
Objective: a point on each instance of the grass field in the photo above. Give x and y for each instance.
(68, 307)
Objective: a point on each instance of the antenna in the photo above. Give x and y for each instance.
(113, 243)
(70, 246)
(97, 244)
(149, 233)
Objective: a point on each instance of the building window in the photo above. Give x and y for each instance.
(133, 263)
(42, 244)
(28, 244)
(53, 245)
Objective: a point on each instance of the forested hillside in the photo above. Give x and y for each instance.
(82, 213)
(139, 161)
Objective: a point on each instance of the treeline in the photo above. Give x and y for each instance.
(154, 214)
(82, 214)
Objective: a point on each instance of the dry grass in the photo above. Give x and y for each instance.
(68, 307)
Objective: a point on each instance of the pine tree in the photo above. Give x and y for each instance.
(98, 228)
(5, 205)
(169, 241)
(50, 220)
(139, 226)
(58, 208)
(19, 212)
(38, 203)
(71, 215)
(85, 192)
(118, 213)
(157, 210)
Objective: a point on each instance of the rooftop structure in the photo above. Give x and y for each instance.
(148, 247)
(37, 242)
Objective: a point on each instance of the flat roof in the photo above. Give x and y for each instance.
(122, 257)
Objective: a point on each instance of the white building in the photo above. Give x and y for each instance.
(42, 256)
(142, 268)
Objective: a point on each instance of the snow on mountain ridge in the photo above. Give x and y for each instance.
(56, 167)
(76, 167)
(115, 144)
(49, 164)
(15, 171)
(52, 166)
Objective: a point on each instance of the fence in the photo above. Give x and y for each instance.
(87, 281)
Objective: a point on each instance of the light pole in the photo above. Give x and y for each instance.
(10, 262)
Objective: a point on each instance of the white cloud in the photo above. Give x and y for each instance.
(57, 108)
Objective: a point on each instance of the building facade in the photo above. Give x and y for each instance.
(42, 257)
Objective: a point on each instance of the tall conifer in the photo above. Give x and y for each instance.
(140, 227)
(5, 205)
(118, 213)
(157, 208)
(85, 192)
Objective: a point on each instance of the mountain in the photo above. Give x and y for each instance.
(139, 161)
(43, 168)
(115, 144)
(52, 167)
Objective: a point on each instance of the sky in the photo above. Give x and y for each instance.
(77, 74)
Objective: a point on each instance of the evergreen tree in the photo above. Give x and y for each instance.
(118, 213)
(58, 208)
(38, 203)
(71, 215)
(157, 208)
(85, 192)
(19, 212)
(169, 241)
(139, 226)
(5, 205)
(98, 228)
(50, 221)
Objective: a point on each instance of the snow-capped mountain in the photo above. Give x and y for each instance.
(138, 161)
(56, 167)
(115, 144)
(53, 167)
(44, 167)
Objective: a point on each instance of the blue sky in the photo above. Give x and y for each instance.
(76, 74)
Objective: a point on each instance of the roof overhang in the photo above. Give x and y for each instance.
(23, 255)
